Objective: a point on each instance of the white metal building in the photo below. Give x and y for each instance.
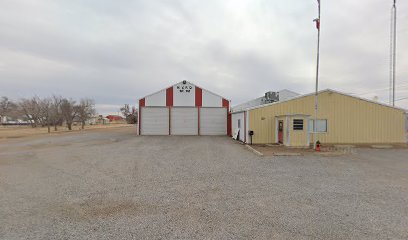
(240, 118)
(240, 125)
(184, 109)
(281, 95)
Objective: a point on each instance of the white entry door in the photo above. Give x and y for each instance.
(154, 121)
(184, 121)
(213, 121)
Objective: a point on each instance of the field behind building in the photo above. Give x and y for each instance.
(7, 132)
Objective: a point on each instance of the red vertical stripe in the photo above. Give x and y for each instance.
(198, 97)
(142, 103)
(169, 97)
(225, 103)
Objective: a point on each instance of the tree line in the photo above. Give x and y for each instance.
(130, 114)
(49, 111)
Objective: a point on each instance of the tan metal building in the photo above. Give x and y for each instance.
(342, 118)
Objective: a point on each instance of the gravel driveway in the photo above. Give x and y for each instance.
(115, 185)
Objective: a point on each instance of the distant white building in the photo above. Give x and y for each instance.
(6, 120)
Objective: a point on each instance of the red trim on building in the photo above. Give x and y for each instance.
(225, 103)
(198, 97)
(142, 103)
(169, 97)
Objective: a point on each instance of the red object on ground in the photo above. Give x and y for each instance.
(318, 147)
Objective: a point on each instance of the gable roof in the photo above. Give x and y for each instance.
(182, 82)
(323, 91)
(258, 101)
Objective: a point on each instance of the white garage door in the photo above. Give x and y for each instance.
(184, 121)
(155, 121)
(213, 121)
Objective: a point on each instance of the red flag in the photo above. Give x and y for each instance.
(317, 23)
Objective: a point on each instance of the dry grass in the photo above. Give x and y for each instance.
(7, 132)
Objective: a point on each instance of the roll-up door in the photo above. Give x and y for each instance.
(184, 121)
(155, 121)
(213, 121)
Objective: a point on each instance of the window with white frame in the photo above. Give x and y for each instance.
(297, 124)
(239, 123)
(321, 125)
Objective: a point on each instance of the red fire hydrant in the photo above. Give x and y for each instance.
(317, 146)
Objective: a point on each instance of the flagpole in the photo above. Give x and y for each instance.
(317, 77)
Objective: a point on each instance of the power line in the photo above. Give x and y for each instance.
(401, 99)
(405, 84)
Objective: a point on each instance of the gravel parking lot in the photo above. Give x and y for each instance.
(112, 184)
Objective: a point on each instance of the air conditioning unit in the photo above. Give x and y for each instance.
(271, 97)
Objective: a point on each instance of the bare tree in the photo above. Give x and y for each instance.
(85, 110)
(45, 112)
(130, 114)
(55, 111)
(68, 111)
(31, 109)
(7, 107)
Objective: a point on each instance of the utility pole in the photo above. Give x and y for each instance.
(394, 60)
(317, 20)
(393, 51)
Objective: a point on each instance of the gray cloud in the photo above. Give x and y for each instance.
(119, 51)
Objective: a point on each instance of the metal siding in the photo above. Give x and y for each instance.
(349, 119)
(154, 121)
(298, 138)
(235, 117)
(184, 95)
(156, 100)
(184, 121)
(213, 121)
(210, 99)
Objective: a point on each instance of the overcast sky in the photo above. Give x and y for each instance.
(119, 51)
